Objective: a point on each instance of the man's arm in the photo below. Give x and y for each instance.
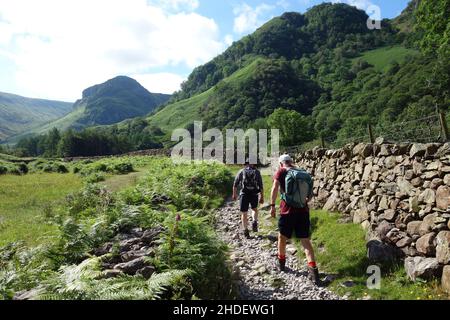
(273, 197)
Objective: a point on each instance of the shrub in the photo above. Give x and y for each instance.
(95, 177)
(113, 166)
(190, 260)
(48, 166)
(3, 169)
(123, 167)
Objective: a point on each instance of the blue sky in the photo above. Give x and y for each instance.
(56, 48)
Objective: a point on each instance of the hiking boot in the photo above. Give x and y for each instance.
(313, 275)
(255, 226)
(282, 265)
(247, 233)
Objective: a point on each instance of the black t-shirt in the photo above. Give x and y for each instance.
(240, 177)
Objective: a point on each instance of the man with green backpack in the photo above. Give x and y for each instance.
(296, 187)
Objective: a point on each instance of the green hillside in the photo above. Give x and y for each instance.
(382, 58)
(104, 104)
(406, 20)
(68, 121)
(182, 113)
(18, 114)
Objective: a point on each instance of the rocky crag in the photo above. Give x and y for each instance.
(399, 193)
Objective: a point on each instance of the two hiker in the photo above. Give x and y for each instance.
(296, 188)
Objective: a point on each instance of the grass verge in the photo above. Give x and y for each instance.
(341, 251)
(24, 201)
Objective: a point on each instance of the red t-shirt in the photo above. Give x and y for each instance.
(280, 176)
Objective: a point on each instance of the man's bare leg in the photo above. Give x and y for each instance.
(309, 250)
(255, 220)
(255, 214)
(244, 220)
(282, 241)
(312, 267)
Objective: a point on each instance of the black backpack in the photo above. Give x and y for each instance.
(250, 181)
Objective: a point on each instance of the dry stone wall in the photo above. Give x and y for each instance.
(399, 193)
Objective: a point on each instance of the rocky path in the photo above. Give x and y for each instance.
(255, 261)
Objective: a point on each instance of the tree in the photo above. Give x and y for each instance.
(51, 143)
(294, 128)
(432, 19)
(67, 146)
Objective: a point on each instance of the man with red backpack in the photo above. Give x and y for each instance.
(296, 187)
(250, 182)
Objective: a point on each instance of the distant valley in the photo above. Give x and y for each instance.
(19, 114)
(108, 103)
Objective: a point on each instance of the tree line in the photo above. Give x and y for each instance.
(89, 142)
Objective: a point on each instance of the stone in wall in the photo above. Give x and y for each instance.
(420, 267)
(426, 245)
(443, 247)
(399, 193)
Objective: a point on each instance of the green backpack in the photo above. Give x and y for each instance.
(299, 187)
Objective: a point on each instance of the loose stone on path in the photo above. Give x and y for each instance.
(256, 261)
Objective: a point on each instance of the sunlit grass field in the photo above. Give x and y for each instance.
(382, 58)
(24, 201)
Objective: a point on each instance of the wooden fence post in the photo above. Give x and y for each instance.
(369, 129)
(444, 127)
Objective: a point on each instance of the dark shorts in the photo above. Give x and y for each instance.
(248, 200)
(295, 222)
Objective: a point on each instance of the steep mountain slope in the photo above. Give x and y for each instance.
(18, 114)
(258, 78)
(405, 21)
(111, 102)
(291, 36)
(326, 65)
(273, 68)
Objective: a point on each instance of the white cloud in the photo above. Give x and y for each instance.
(177, 5)
(248, 19)
(372, 10)
(284, 4)
(229, 40)
(360, 4)
(160, 82)
(61, 47)
(304, 2)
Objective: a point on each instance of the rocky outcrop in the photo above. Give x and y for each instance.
(131, 254)
(399, 193)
